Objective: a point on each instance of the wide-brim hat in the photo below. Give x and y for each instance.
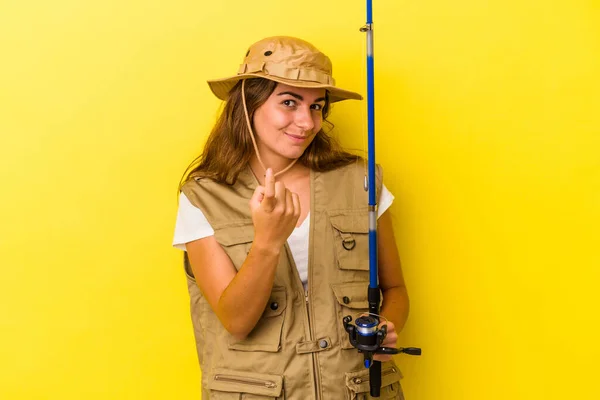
(286, 60)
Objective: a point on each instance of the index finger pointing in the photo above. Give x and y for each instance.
(269, 183)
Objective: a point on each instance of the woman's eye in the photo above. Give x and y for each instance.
(317, 107)
(289, 103)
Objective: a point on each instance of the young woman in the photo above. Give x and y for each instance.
(273, 217)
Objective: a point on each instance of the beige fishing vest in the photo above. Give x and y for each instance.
(299, 349)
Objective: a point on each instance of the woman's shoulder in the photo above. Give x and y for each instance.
(357, 167)
(195, 184)
(205, 192)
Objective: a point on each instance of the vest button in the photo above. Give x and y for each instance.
(346, 300)
(357, 381)
(274, 306)
(323, 343)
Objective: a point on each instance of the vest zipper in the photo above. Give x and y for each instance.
(311, 237)
(245, 381)
(314, 355)
(308, 334)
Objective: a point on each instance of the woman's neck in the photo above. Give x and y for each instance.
(277, 166)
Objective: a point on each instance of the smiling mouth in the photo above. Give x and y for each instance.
(296, 136)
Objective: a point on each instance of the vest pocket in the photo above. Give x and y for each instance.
(236, 240)
(352, 300)
(351, 237)
(266, 335)
(357, 384)
(226, 384)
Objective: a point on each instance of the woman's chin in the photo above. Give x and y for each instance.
(293, 154)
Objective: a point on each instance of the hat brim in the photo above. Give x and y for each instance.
(221, 87)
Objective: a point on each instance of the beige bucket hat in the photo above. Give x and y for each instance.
(287, 60)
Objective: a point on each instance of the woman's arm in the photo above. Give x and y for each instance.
(239, 298)
(391, 281)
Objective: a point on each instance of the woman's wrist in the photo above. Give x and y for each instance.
(265, 248)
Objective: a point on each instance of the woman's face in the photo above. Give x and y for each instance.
(288, 121)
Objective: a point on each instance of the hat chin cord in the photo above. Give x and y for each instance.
(254, 139)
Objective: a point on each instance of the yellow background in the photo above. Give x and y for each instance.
(488, 130)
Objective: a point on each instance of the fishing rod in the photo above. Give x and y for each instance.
(366, 335)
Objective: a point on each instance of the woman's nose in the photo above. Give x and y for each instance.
(304, 119)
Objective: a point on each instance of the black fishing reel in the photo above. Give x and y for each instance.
(367, 337)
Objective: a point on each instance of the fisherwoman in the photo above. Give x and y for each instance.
(273, 218)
